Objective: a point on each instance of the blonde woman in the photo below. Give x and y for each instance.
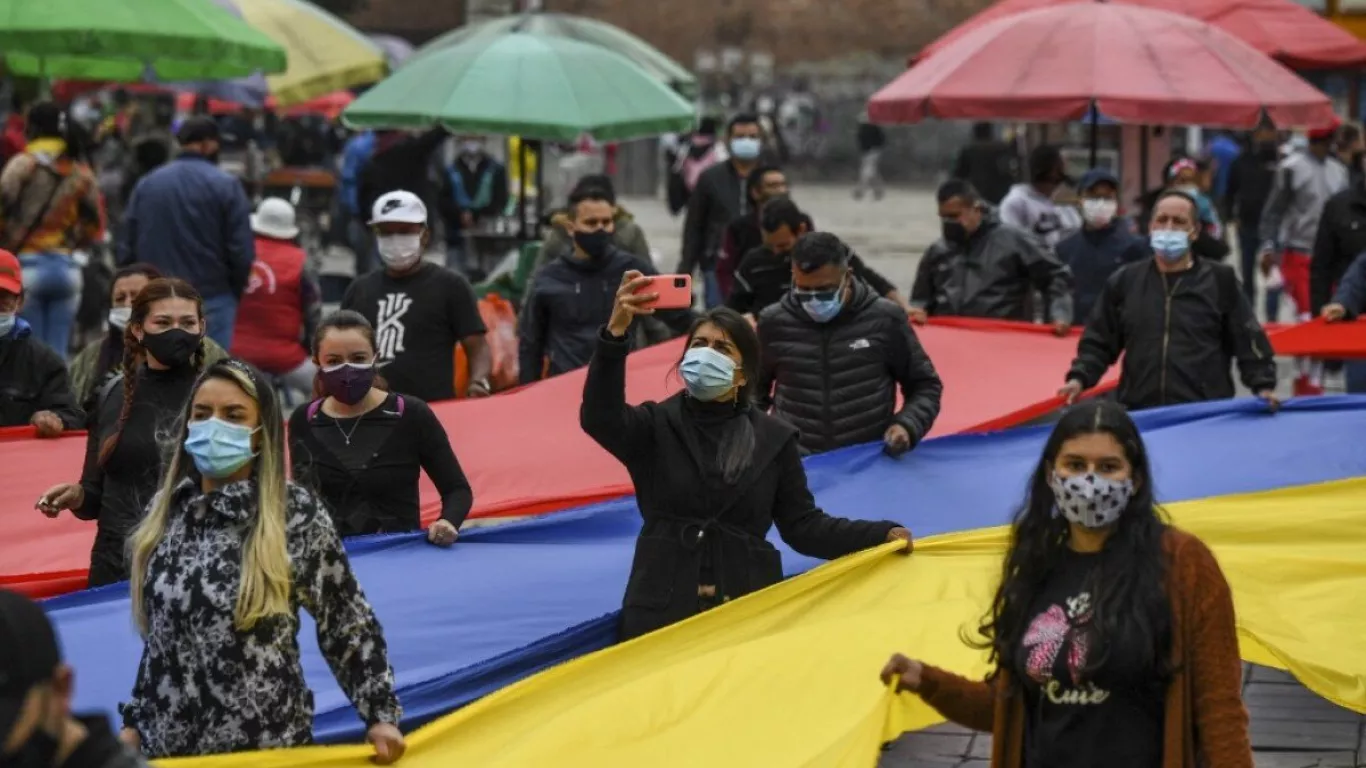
(222, 563)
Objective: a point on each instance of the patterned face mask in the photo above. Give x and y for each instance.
(1089, 500)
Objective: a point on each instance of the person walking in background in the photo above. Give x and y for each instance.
(991, 166)
(34, 388)
(349, 224)
(1105, 243)
(1112, 636)
(1031, 207)
(95, 365)
(282, 303)
(1178, 322)
(627, 235)
(744, 233)
(1305, 181)
(419, 311)
(474, 191)
(983, 267)
(164, 353)
(192, 220)
(1223, 151)
(712, 472)
(362, 448)
(1350, 147)
(1250, 181)
(37, 726)
(716, 201)
(698, 152)
(833, 356)
(50, 207)
(871, 141)
(227, 555)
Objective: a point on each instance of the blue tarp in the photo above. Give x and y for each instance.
(508, 601)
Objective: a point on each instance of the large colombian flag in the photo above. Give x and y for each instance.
(787, 676)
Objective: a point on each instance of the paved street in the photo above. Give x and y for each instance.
(1291, 727)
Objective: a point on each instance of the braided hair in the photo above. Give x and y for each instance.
(135, 354)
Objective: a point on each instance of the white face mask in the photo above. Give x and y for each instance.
(118, 317)
(399, 251)
(1098, 211)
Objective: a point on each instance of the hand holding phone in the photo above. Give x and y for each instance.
(675, 292)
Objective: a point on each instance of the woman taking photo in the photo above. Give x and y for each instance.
(228, 553)
(361, 448)
(163, 353)
(712, 474)
(1112, 634)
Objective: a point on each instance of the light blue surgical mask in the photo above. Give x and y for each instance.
(6, 323)
(707, 374)
(821, 306)
(219, 448)
(745, 147)
(1170, 245)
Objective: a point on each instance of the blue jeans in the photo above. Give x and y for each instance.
(52, 294)
(711, 289)
(1355, 371)
(1249, 246)
(220, 312)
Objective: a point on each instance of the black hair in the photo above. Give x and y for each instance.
(585, 194)
(343, 320)
(148, 271)
(983, 131)
(1043, 161)
(741, 118)
(46, 119)
(1132, 612)
(599, 181)
(958, 188)
(1348, 134)
(735, 450)
(816, 249)
(781, 212)
(707, 126)
(755, 179)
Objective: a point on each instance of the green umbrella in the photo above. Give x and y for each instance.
(131, 40)
(535, 86)
(586, 30)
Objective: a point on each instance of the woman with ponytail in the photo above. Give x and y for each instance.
(712, 473)
(228, 553)
(163, 353)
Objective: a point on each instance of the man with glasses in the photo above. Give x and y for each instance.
(982, 267)
(833, 354)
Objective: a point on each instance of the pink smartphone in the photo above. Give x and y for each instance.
(675, 291)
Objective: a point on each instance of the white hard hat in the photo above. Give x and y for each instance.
(274, 217)
(399, 206)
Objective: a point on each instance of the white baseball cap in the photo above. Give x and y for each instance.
(274, 217)
(399, 206)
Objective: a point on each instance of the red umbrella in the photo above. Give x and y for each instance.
(1282, 29)
(1135, 65)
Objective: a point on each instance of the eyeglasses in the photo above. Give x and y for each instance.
(818, 294)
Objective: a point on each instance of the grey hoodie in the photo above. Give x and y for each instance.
(1303, 185)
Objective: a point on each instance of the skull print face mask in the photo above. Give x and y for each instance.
(1089, 500)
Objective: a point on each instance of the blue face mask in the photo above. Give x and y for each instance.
(708, 374)
(219, 448)
(6, 323)
(1170, 245)
(745, 147)
(822, 306)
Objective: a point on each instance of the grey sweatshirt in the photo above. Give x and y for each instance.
(1303, 185)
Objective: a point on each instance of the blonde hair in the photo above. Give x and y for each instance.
(266, 573)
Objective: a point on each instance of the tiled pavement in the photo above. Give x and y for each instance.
(1291, 728)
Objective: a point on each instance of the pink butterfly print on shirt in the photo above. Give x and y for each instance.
(1047, 634)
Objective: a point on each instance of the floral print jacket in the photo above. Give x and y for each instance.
(204, 687)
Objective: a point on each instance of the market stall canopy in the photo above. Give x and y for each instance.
(129, 41)
(584, 30)
(1282, 29)
(396, 49)
(537, 86)
(1134, 64)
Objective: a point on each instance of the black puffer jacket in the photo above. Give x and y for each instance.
(837, 381)
(1178, 333)
(993, 276)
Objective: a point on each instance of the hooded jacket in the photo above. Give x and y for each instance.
(837, 381)
(1093, 255)
(32, 379)
(717, 200)
(993, 275)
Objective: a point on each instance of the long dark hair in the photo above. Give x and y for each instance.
(112, 349)
(342, 320)
(1132, 610)
(736, 450)
(134, 354)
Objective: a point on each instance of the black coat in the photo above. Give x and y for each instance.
(681, 527)
(837, 381)
(1340, 239)
(33, 378)
(1178, 333)
(716, 201)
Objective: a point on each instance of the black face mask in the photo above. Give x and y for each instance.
(954, 232)
(173, 348)
(594, 244)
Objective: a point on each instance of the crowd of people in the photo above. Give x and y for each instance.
(214, 324)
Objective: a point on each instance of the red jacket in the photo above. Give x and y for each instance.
(270, 319)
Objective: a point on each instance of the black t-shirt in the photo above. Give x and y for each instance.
(1112, 720)
(418, 319)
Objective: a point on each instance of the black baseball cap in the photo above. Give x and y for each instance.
(196, 129)
(30, 655)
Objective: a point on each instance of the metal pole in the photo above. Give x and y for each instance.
(540, 187)
(1095, 134)
(521, 186)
